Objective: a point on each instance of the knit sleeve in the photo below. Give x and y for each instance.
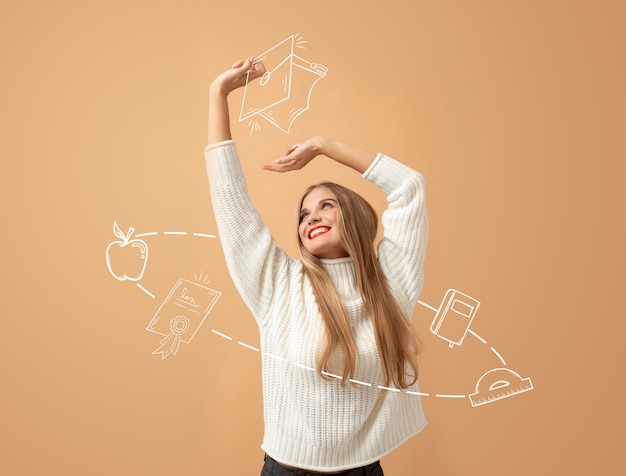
(402, 250)
(255, 263)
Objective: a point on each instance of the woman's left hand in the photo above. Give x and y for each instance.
(297, 156)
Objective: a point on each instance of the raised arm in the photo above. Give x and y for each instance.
(221, 87)
(254, 261)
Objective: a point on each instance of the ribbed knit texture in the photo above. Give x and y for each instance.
(310, 422)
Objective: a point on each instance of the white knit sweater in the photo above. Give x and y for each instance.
(310, 422)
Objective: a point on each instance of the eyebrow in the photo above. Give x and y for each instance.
(320, 202)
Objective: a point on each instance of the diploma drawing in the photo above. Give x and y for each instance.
(181, 314)
(284, 91)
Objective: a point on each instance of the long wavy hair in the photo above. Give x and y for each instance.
(396, 340)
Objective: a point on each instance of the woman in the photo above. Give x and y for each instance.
(339, 362)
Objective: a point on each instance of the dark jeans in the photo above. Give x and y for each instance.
(273, 468)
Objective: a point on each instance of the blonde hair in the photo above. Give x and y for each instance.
(395, 338)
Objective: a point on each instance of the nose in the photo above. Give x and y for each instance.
(314, 217)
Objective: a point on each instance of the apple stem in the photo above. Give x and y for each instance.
(131, 230)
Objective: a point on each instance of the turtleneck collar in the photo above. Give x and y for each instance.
(342, 274)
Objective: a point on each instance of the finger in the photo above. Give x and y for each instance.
(254, 74)
(285, 160)
(277, 167)
(292, 148)
(274, 168)
(249, 63)
(246, 64)
(258, 66)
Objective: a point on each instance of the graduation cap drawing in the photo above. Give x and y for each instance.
(284, 91)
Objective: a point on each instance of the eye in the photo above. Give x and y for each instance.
(327, 205)
(303, 215)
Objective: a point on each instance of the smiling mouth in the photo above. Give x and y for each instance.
(318, 231)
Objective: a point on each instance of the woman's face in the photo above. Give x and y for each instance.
(319, 228)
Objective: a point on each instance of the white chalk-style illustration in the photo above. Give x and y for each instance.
(181, 314)
(284, 91)
(454, 316)
(189, 303)
(497, 384)
(127, 257)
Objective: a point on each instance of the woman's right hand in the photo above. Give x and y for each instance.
(237, 76)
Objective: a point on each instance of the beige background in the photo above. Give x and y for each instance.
(514, 112)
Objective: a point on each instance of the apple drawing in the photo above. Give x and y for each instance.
(126, 257)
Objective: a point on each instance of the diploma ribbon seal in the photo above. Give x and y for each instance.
(178, 326)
